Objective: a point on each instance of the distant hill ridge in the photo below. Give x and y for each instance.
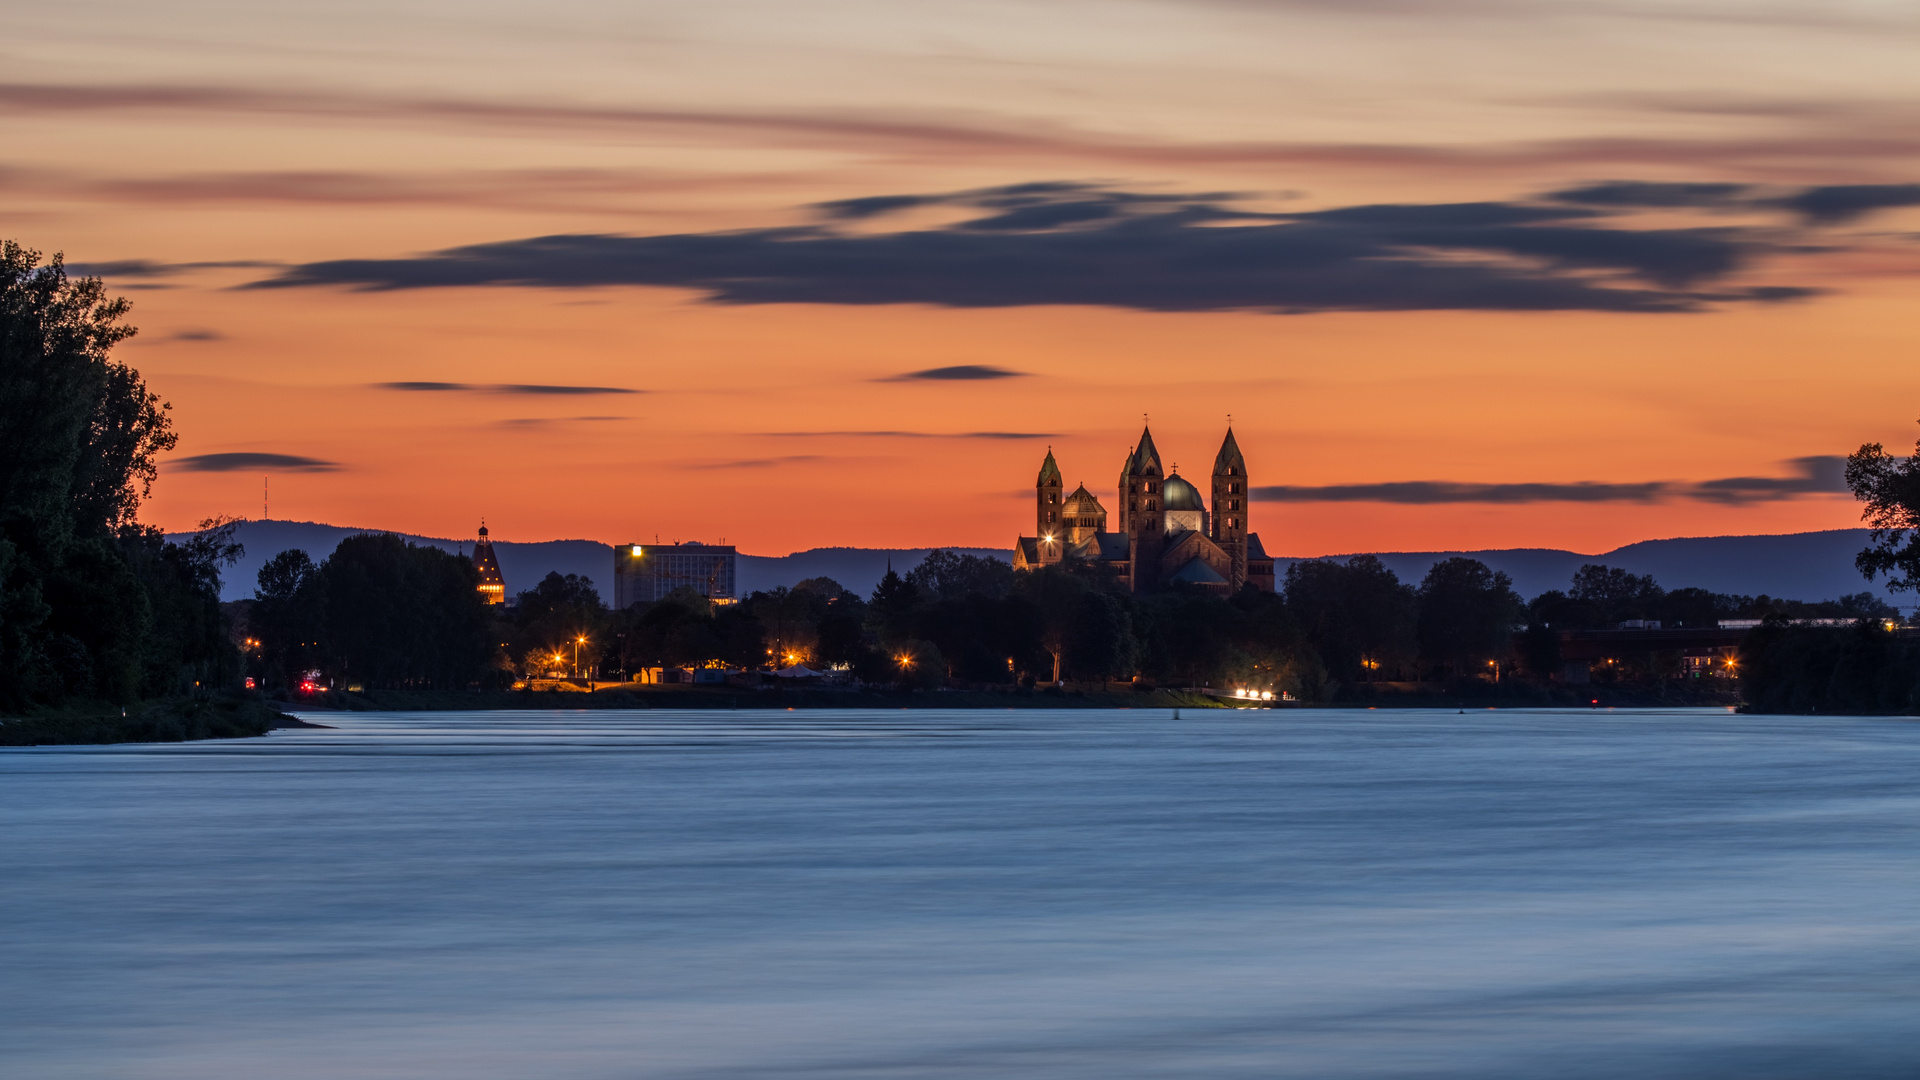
(1796, 566)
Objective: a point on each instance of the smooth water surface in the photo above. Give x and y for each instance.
(970, 894)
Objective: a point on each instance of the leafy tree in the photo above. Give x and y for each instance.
(561, 608)
(948, 575)
(401, 615)
(1816, 669)
(1467, 614)
(1103, 644)
(891, 611)
(1354, 615)
(842, 627)
(1056, 597)
(919, 665)
(189, 646)
(790, 620)
(685, 629)
(1698, 608)
(1890, 488)
(1616, 594)
(79, 438)
(1191, 638)
(288, 618)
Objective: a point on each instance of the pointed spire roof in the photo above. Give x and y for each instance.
(1146, 459)
(1049, 471)
(492, 586)
(1230, 455)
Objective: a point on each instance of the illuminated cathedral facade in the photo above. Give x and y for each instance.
(1166, 534)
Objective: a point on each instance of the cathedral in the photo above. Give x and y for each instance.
(1166, 535)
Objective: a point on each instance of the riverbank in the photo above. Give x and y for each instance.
(633, 696)
(98, 723)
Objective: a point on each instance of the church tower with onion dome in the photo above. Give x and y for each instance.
(492, 585)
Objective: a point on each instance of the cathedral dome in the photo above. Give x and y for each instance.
(1181, 495)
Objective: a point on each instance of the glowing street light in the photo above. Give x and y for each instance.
(577, 642)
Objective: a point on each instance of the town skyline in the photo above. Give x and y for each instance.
(1560, 285)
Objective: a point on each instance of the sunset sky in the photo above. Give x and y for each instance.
(1487, 273)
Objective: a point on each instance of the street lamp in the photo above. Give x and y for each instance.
(577, 642)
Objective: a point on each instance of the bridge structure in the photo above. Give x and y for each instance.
(1701, 653)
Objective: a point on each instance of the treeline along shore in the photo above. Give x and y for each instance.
(978, 632)
(109, 631)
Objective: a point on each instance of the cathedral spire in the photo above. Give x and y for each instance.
(1230, 494)
(1048, 492)
(1229, 456)
(1049, 470)
(492, 586)
(1146, 459)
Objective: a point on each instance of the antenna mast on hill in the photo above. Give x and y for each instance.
(263, 498)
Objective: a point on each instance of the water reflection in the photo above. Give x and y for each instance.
(962, 894)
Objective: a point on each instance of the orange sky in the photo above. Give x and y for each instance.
(192, 133)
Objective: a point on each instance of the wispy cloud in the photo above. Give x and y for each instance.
(184, 334)
(755, 463)
(572, 189)
(956, 373)
(151, 268)
(1869, 138)
(1845, 202)
(1819, 474)
(1418, 492)
(253, 462)
(912, 434)
(533, 389)
(1080, 244)
(1816, 475)
(549, 421)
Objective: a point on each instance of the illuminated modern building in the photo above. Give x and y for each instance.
(1167, 533)
(492, 585)
(646, 572)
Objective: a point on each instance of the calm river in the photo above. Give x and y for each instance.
(970, 894)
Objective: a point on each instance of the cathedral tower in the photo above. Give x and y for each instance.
(492, 585)
(1144, 512)
(1230, 507)
(1049, 491)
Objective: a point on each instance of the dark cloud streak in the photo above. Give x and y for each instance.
(253, 462)
(912, 434)
(1823, 474)
(1144, 252)
(534, 389)
(957, 373)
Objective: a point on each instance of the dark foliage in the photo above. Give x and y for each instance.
(379, 612)
(1467, 613)
(93, 605)
(1358, 616)
(1890, 488)
(1815, 669)
(561, 616)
